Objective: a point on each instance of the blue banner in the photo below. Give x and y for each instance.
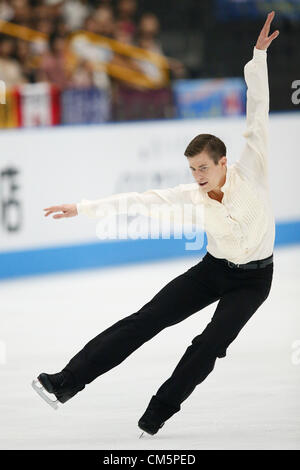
(85, 106)
(210, 97)
(253, 9)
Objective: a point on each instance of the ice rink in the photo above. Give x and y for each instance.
(249, 401)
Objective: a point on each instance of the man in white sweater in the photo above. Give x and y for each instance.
(237, 269)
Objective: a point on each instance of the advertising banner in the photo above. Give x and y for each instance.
(85, 106)
(210, 97)
(9, 112)
(38, 105)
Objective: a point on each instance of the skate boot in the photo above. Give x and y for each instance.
(156, 415)
(61, 385)
(149, 427)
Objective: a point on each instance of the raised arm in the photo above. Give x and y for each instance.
(254, 159)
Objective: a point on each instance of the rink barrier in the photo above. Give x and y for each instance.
(96, 255)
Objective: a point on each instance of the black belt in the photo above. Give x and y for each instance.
(260, 263)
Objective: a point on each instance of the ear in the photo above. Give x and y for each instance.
(223, 161)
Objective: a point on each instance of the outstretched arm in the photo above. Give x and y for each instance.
(123, 203)
(254, 159)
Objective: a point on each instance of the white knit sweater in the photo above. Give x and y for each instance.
(241, 228)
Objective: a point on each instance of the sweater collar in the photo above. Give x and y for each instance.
(228, 179)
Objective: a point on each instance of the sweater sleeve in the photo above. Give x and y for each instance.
(253, 162)
(145, 203)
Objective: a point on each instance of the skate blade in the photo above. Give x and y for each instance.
(141, 434)
(38, 387)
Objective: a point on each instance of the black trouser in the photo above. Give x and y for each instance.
(240, 292)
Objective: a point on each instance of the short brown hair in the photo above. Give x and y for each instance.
(208, 142)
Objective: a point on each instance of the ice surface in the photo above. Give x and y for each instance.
(249, 401)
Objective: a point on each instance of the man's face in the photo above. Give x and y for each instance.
(208, 175)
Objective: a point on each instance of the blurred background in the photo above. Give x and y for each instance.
(116, 60)
(99, 97)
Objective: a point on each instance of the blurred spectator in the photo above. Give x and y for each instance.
(97, 54)
(101, 22)
(123, 37)
(103, 2)
(90, 24)
(10, 70)
(22, 13)
(148, 32)
(54, 62)
(148, 38)
(83, 75)
(105, 21)
(42, 11)
(84, 47)
(61, 26)
(75, 13)
(46, 26)
(6, 10)
(56, 18)
(126, 17)
(24, 58)
(123, 60)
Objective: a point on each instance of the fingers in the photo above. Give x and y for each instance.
(274, 35)
(50, 210)
(56, 216)
(268, 22)
(53, 208)
(266, 27)
(264, 40)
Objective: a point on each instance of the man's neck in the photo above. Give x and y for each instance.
(217, 193)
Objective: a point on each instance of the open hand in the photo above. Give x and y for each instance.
(68, 210)
(264, 40)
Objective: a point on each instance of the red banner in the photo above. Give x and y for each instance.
(38, 105)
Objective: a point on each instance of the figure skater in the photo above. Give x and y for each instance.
(236, 271)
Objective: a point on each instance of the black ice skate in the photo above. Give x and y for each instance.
(60, 384)
(156, 415)
(149, 427)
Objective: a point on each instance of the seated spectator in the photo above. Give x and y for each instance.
(22, 12)
(61, 26)
(147, 38)
(45, 26)
(54, 63)
(99, 54)
(6, 10)
(125, 18)
(82, 75)
(105, 20)
(75, 12)
(142, 67)
(123, 37)
(90, 25)
(148, 32)
(10, 70)
(24, 57)
(42, 11)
